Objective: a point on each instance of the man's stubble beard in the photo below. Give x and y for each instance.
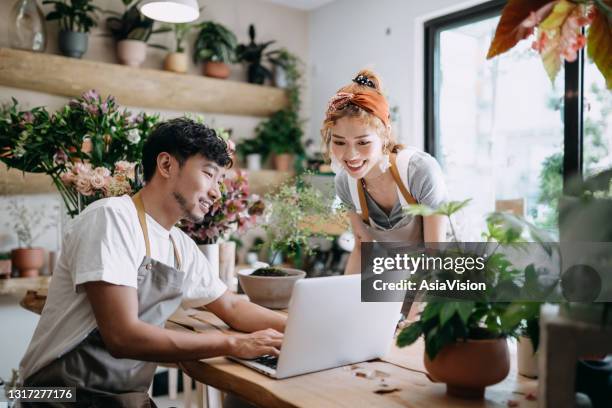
(187, 214)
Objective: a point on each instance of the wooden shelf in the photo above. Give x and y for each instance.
(140, 87)
(17, 182)
(18, 285)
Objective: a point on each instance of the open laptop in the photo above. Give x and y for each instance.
(328, 326)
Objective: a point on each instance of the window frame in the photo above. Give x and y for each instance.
(573, 92)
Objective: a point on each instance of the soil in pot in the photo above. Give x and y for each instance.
(269, 272)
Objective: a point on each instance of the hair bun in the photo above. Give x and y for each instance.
(368, 78)
(364, 80)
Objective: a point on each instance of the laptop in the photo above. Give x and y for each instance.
(328, 326)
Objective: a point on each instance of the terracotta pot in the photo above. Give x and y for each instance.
(176, 62)
(273, 292)
(131, 52)
(527, 360)
(216, 69)
(28, 261)
(283, 162)
(5, 268)
(468, 367)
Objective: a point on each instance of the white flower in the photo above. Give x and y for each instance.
(133, 136)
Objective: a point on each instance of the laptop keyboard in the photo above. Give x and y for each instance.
(268, 361)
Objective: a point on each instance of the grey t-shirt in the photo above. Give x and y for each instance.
(425, 183)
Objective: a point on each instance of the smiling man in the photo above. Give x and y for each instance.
(125, 268)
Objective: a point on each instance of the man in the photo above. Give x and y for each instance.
(125, 268)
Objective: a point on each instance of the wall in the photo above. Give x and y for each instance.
(387, 36)
(273, 22)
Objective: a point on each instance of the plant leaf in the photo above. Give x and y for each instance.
(599, 44)
(448, 311)
(409, 334)
(551, 27)
(507, 34)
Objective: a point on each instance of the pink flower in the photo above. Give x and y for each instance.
(97, 181)
(102, 171)
(68, 178)
(83, 185)
(91, 96)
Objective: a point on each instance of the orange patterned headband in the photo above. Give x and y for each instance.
(370, 101)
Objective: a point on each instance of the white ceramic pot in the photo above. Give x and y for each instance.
(131, 52)
(253, 162)
(527, 360)
(227, 263)
(211, 251)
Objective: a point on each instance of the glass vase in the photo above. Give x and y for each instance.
(27, 30)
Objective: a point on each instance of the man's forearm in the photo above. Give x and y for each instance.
(250, 317)
(151, 343)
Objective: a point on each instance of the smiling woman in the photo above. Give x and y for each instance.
(376, 178)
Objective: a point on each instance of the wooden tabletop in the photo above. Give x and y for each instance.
(398, 380)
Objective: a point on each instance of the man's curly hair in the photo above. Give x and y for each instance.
(183, 138)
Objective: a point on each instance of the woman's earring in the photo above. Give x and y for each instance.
(335, 165)
(384, 163)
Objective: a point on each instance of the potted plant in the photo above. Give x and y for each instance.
(29, 226)
(177, 61)
(465, 341)
(281, 135)
(287, 74)
(235, 212)
(214, 46)
(5, 265)
(90, 139)
(131, 31)
(294, 215)
(252, 54)
(76, 18)
(250, 150)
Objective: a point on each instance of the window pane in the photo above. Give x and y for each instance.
(597, 122)
(499, 127)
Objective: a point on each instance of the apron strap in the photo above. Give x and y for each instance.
(365, 214)
(137, 199)
(398, 180)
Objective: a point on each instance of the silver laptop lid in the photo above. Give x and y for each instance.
(329, 326)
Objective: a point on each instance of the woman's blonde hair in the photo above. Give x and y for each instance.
(369, 81)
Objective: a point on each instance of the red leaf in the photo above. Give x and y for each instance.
(509, 30)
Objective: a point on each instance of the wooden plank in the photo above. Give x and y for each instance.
(17, 182)
(140, 87)
(17, 285)
(402, 370)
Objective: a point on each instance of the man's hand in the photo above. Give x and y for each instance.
(259, 343)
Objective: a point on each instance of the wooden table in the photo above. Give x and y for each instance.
(398, 380)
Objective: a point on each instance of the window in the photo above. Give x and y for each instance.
(504, 136)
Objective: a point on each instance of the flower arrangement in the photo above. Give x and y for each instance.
(100, 181)
(91, 131)
(557, 26)
(236, 211)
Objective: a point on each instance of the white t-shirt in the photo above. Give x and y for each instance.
(106, 243)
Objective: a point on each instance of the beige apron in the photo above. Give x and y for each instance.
(102, 380)
(409, 228)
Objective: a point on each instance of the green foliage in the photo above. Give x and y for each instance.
(132, 25)
(73, 15)
(295, 213)
(444, 322)
(281, 133)
(292, 66)
(252, 53)
(214, 42)
(250, 146)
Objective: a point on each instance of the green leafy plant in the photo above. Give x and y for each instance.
(295, 213)
(281, 133)
(214, 42)
(252, 53)
(445, 322)
(291, 64)
(249, 146)
(133, 25)
(5, 256)
(73, 15)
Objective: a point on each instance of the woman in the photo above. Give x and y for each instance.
(376, 178)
